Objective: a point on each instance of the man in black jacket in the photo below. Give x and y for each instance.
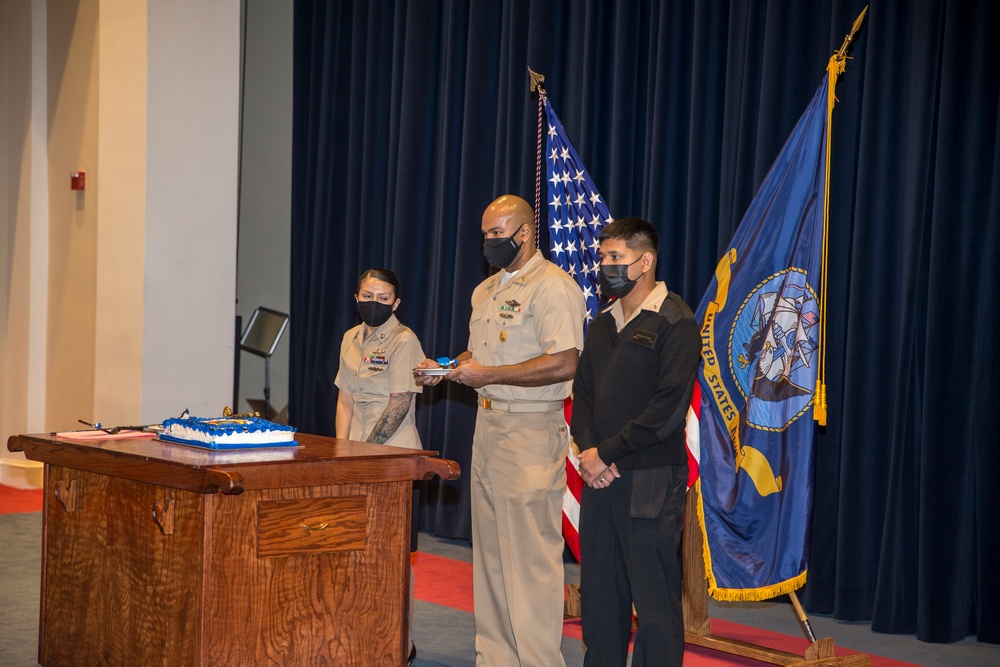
(631, 395)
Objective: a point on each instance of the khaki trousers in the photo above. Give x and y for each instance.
(518, 476)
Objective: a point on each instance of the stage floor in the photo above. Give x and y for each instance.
(443, 627)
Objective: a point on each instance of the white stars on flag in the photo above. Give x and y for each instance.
(577, 213)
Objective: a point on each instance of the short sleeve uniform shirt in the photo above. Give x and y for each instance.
(373, 368)
(538, 311)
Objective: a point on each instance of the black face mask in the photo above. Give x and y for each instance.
(615, 281)
(374, 313)
(500, 253)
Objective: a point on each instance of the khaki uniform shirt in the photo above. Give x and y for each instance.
(538, 311)
(371, 369)
(651, 302)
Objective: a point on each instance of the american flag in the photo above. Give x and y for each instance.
(576, 214)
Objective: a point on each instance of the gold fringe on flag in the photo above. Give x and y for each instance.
(738, 594)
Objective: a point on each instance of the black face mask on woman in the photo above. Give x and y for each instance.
(501, 252)
(615, 281)
(374, 313)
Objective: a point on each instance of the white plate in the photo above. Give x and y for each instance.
(431, 372)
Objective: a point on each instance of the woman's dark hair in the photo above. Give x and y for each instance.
(385, 275)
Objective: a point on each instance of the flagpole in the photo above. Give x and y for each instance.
(836, 67)
(536, 87)
(842, 51)
(572, 602)
(803, 619)
(575, 212)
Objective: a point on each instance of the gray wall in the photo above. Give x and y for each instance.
(265, 191)
(190, 206)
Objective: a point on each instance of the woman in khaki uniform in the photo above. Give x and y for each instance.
(377, 357)
(377, 388)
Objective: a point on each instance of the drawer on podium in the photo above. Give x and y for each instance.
(311, 526)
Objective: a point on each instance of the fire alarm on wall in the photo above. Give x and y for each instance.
(77, 180)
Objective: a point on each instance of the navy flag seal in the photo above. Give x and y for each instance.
(773, 348)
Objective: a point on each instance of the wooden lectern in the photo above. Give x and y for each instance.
(160, 554)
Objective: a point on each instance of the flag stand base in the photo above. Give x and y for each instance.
(698, 624)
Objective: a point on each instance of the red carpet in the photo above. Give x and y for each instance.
(14, 501)
(442, 581)
(448, 583)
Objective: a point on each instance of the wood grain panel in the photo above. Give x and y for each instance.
(310, 526)
(338, 608)
(142, 610)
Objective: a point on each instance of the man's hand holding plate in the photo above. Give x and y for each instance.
(426, 380)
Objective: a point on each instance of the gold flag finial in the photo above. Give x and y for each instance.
(536, 79)
(842, 51)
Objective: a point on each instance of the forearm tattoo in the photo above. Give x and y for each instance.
(391, 418)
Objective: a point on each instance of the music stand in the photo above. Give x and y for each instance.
(261, 337)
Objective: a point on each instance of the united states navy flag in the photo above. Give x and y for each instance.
(760, 331)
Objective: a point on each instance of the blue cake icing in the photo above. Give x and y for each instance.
(225, 432)
(227, 425)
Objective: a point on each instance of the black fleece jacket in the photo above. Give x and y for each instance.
(633, 388)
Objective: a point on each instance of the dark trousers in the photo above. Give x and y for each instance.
(625, 559)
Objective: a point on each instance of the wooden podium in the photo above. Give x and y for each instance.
(160, 554)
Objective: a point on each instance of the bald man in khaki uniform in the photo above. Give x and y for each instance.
(525, 336)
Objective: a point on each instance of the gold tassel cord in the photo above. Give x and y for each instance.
(836, 67)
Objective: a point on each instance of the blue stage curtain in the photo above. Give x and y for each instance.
(411, 116)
